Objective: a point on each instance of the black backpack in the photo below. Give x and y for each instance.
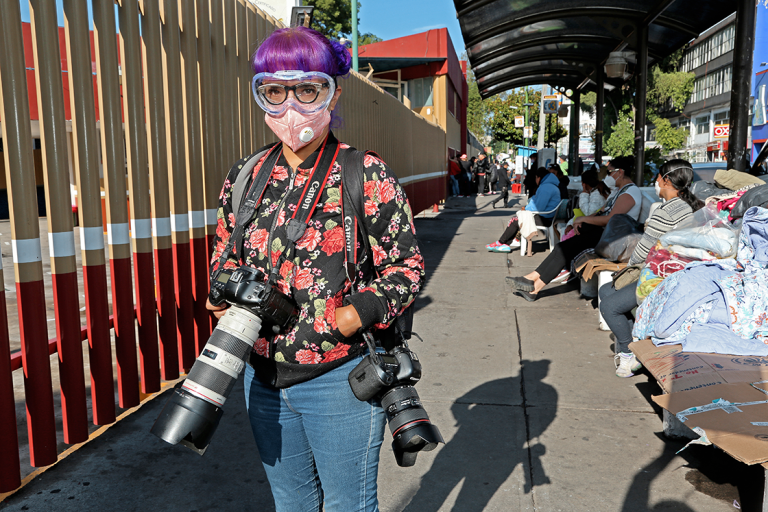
(353, 201)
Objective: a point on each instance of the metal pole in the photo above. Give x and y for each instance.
(738, 158)
(80, 78)
(640, 95)
(527, 110)
(542, 121)
(573, 136)
(138, 186)
(113, 163)
(158, 177)
(354, 36)
(28, 267)
(599, 116)
(53, 130)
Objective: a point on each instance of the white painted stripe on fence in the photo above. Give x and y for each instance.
(26, 250)
(62, 244)
(161, 226)
(92, 239)
(117, 233)
(197, 219)
(141, 228)
(211, 217)
(420, 177)
(179, 222)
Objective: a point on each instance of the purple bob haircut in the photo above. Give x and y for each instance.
(302, 49)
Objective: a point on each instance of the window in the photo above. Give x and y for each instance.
(711, 48)
(421, 92)
(712, 84)
(723, 117)
(702, 125)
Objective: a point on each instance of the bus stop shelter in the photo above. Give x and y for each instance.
(567, 43)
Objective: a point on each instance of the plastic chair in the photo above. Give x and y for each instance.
(550, 231)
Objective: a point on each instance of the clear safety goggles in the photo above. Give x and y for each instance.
(307, 92)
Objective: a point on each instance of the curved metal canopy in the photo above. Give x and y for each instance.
(564, 42)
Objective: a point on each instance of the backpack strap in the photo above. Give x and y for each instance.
(240, 187)
(352, 164)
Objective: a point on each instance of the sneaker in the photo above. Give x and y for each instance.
(515, 244)
(562, 277)
(494, 244)
(520, 283)
(502, 248)
(626, 364)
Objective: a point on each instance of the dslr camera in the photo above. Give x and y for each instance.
(390, 377)
(193, 412)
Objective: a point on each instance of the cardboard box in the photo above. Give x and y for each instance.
(739, 428)
(676, 370)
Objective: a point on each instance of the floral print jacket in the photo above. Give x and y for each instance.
(313, 271)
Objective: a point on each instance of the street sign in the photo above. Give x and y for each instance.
(722, 131)
(551, 106)
(519, 121)
(528, 132)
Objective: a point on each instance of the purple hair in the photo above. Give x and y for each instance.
(301, 49)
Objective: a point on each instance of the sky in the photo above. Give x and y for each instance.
(390, 19)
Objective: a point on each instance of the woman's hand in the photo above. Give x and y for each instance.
(347, 320)
(218, 311)
(568, 229)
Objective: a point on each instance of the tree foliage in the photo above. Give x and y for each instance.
(622, 139)
(502, 110)
(332, 18)
(477, 111)
(368, 38)
(668, 90)
(669, 138)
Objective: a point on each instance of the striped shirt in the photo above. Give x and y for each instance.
(664, 219)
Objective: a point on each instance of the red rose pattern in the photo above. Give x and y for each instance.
(310, 270)
(333, 241)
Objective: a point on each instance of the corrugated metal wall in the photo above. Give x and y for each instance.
(174, 112)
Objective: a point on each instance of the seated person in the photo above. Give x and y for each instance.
(627, 199)
(563, 180)
(672, 184)
(593, 196)
(547, 198)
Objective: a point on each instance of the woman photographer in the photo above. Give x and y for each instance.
(319, 445)
(672, 186)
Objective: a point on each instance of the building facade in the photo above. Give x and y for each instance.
(706, 116)
(423, 72)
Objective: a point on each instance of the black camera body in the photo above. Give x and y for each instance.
(379, 371)
(248, 288)
(390, 377)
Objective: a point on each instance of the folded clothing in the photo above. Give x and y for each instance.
(720, 241)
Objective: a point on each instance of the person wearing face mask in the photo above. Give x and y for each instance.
(318, 443)
(672, 186)
(625, 199)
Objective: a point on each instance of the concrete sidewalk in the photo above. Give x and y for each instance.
(524, 394)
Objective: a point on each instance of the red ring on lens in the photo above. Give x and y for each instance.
(407, 424)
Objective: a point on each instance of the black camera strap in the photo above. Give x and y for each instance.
(247, 208)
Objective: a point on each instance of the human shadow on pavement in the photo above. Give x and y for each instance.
(492, 439)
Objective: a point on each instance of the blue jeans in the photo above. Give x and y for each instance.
(616, 307)
(454, 186)
(318, 443)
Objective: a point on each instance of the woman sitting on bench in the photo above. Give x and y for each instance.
(672, 184)
(626, 198)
